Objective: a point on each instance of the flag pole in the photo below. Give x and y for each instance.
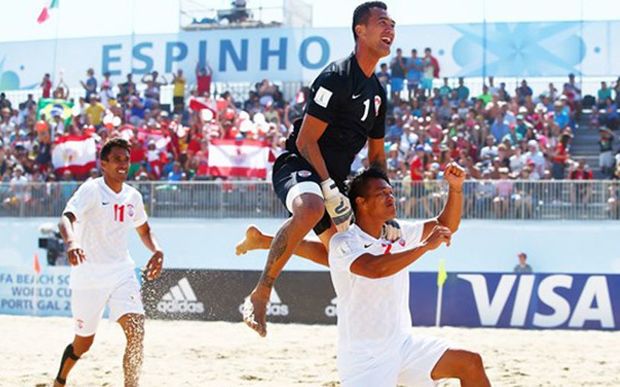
(37, 271)
(438, 312)
(442, 275)
(55, 46)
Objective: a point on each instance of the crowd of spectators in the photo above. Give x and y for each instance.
(498, 134)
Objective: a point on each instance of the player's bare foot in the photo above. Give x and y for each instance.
(254, 313)
(252, 240)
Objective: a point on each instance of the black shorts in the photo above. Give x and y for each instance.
(293, 175)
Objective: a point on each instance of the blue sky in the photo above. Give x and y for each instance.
(83, 18)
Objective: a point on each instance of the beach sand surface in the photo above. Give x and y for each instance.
(195, 353)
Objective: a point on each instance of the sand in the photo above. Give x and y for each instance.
(192, 353)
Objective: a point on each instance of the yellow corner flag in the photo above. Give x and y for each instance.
(442, 275)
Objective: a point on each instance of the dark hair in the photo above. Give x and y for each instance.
(111, 143)
(362, 12)
(359, 184)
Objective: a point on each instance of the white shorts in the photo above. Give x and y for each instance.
(87, 305)
(410, 365)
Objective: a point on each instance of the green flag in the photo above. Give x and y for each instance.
(442, 275)
(55, 107)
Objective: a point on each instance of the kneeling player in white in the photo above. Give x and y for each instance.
(370, 276)
(95, 225)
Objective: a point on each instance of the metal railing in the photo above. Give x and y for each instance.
(492, 199)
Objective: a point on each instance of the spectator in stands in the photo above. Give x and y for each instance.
(573, 92)
(95, 111)
(90, 86)
(176, 174)
(462, 91)
(61, 91)
(523, 92)
(535, 159)
(428, 53)
(204, 77)
(602, 95)
(178, 92)
(414, 73)
(613, 201)
(580, 192)
(46, 86)
(523, 267)
(106, 95)
(153, 87)
(610, 117)
(606, 158)
(486, 96)
(503, 194)
(398, 68)
(428, 72)
(383, 75)
(560, 156)
(127, 88)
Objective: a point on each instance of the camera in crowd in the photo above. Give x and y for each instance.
(52, 242)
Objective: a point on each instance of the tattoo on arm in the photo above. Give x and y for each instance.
(278, 247)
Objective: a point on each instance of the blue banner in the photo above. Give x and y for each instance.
(559, 301)
(22, 292)
(493, 300)
(298, 54)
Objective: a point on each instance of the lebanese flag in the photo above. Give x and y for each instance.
(247, 158)
(77, 154)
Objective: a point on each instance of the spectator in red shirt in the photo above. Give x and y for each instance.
(46, 86)
(560, 156)
(434, 62)
(580, 192)
(204, 76)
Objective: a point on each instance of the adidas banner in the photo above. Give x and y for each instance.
(556, 301)
(219, 295)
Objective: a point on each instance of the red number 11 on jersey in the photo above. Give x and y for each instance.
(119, 213)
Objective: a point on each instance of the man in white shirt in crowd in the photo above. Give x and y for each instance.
(95, 225)
(371, 278)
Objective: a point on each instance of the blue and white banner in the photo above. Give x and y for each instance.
(541, 301)
(288, 54)
(493, 300)
(22, 292)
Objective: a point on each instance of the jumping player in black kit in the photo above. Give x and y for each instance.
(346, 108)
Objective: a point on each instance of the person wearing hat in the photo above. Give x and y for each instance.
(522, 267)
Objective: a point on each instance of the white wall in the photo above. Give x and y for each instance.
(479, 246)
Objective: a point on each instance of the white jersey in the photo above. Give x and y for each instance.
(373, 314)
(104, 220)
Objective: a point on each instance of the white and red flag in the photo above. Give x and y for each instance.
(235, 158)
(77, 154)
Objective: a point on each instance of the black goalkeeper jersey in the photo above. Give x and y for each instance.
(354, 108)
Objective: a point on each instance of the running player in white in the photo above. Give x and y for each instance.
(95, 225)
(371, 278)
